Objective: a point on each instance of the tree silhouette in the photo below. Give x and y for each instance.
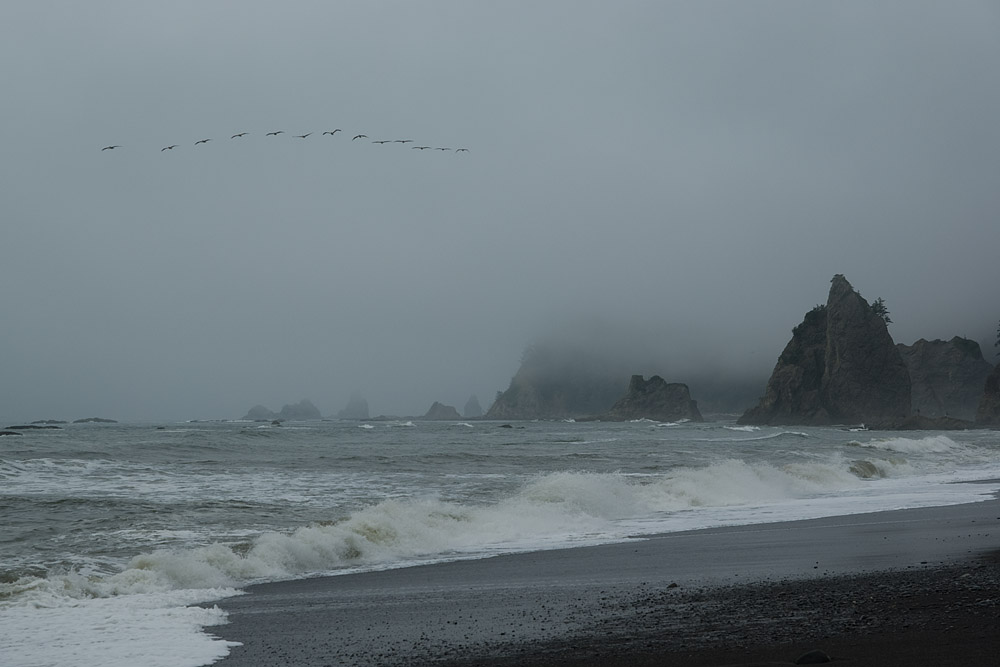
(879, 307)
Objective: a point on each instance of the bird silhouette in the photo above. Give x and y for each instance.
(460, 150)
(381, 141)
(332, 133)
(360, 136)
(302, 136)
(442, 149)
(274, 134)
(419, 148)
(241, 134)
(203, 141)
(403, 141)
(168, 148)
(110, 148)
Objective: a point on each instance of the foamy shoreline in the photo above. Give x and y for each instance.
(491, 606)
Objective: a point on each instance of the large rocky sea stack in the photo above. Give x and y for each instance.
(840, 367)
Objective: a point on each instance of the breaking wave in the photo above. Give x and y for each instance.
(555, 509)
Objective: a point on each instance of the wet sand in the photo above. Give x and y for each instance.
(907, 587)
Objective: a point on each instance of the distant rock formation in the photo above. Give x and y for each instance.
(654, 399)
(946, 377)
(300, 411)
(472, 408)
(988, 413)
(440, 411)
(840, 367)
(94, 420)
(357, 408)
(259, 413)
(559, 381)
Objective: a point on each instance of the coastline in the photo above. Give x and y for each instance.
(860, 586)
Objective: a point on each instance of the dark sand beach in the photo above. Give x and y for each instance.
(907, 587)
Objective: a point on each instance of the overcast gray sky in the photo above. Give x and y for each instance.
(697, 171)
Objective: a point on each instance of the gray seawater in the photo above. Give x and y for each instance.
(102, 519)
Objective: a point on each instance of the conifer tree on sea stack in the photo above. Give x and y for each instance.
(878, 305)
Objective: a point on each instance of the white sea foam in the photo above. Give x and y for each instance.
(151, 629)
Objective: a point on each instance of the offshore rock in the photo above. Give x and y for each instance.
(472, 409)
(558, 380)
(946, 377)
(840, 367)
(259, 413)
(988, 413)
(302, 410)
(441, 411)
(654, 399)
(356, 408)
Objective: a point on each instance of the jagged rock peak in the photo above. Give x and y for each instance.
(840, 367)
(654, 399)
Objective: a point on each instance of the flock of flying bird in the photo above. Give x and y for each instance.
(240, 135)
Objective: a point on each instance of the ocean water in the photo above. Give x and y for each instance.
(111, 534)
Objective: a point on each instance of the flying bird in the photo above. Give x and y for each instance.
(274, 134)
(403, 141)
(168, 148)
(241, 134)
(459, 150)
(381, 141)
(203, 141)
(332, 133)
(442, 149)
(302, 136)
(419, 148)
(110, 148)
(360, 136)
